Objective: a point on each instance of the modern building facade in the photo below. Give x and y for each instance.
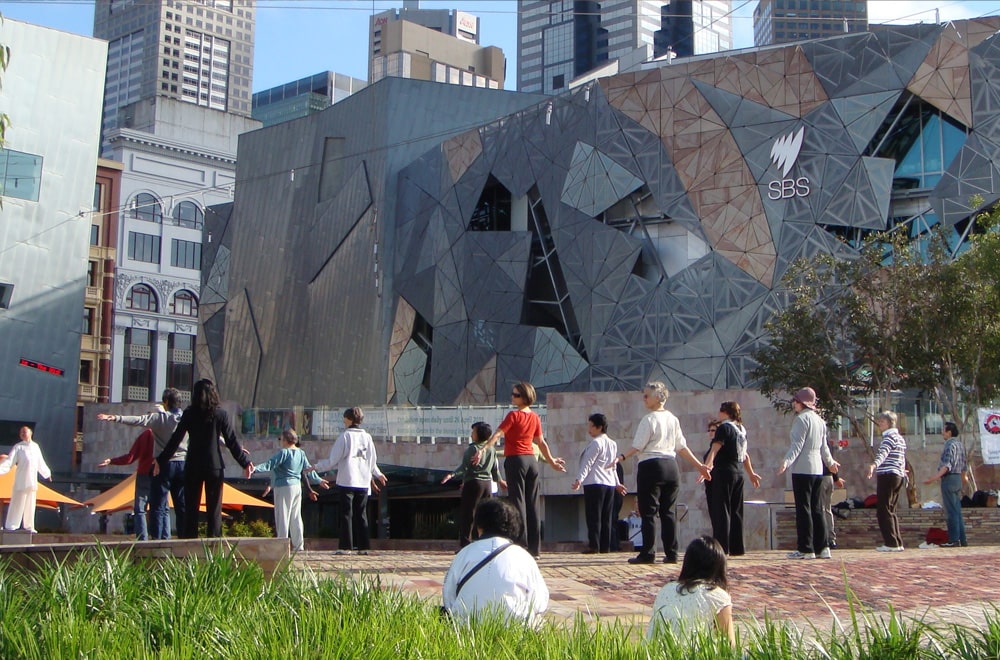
(47, 177)
(303, 97)
(782, 21)
(637, 228)
(560, 41)
(195, 51)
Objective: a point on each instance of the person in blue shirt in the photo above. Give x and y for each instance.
(288, 466)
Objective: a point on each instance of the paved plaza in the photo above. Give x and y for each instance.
(938, 584)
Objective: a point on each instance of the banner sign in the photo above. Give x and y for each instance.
(436, 422)
(989, 435)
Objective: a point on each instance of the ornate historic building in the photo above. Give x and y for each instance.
(420, 244)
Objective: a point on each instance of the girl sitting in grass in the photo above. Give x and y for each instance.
(698, 599)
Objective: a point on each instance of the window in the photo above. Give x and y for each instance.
(91, 273)
(184, 304)
(89, 320)
(86, 372)
(558, 82)
(143, 247)
(180, 361)
(20, 175)
(141, 297)
(138, 364)
(187, 214)
(146, 207)
(185, 254)
(95, 235)
(5, 293)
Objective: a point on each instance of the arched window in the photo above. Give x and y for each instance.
(146, 207)
(184, 304)
(187, 214)
(141, 297)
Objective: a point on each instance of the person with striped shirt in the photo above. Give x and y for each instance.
(890, 466)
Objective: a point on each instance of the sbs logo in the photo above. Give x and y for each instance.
(784, 153)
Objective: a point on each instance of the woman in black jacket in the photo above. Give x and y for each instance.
(207, 427)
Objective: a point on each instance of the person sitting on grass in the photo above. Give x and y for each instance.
(495, 574)
(698, 599)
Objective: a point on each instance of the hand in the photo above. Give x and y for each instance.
(313, 496)
(834, 466)
(931, 480)
(3, 457)
(247, 471)
(502, 484)
(781, 470)
(559, 464)
(156, 468)
(575, 485)
(755, 479)
(705, 471)
(839, 482)
(478, 456)
(871, 471)
(446, 479)
(105, 463)
(381, 480)
(324, 484)
(622, 490)
(104, 417)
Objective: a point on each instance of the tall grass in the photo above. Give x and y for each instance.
(111, 605)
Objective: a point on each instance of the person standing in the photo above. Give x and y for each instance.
(598, 475)
(831, 480)
(727, 459)
(477, 480)
(287, 467)
(890, 466)
(806, 456)
(950, 472)
(658, 441)
(141, 452)
(162, 423)
(522, 430)
(353, 456)
(203, 422)
(26, 456)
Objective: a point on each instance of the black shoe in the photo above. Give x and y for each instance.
(670, 560)
(950, 544)
(590, 551)
(642, 559)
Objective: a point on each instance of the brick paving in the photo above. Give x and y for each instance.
(950, 585)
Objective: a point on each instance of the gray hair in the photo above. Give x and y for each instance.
(659, 390)
(887, 416)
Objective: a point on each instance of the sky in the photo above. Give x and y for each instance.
(298, 38)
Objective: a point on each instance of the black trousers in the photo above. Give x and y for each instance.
(657, 481)
(810, 522)
(725, 507)
(598, 502)
(354, 518)
(473, 492)
(522, 487)
(212, 480)
(887, 487)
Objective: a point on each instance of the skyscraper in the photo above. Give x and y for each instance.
(561, 40)
(781, 21)
(197, 51)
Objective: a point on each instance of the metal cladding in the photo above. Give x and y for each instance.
(635, 228)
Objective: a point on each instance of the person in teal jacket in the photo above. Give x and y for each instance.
(477, 480)
(288, 466)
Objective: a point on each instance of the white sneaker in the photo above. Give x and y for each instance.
(825, 554)
(886, 548)
(801, 555)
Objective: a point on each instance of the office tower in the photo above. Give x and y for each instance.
(781, 21)
(196, 51)
(559, 41)
(439, 45)
(303, 97)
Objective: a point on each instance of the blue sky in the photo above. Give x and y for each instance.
(297, 38)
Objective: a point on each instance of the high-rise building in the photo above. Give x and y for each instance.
(303, 97)
(559, 41)
(439, 45)
(196, 51)
(781, 21)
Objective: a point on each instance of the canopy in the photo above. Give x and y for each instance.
(122, 495)
(46, 497)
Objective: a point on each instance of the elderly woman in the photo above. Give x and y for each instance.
(890, 466)
(658, 441)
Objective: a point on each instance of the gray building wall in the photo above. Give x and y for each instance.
(55, 79)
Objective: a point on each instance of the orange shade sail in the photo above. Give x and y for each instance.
(121, 496)
(46, 497)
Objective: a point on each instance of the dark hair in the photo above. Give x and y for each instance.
(496, 516)
(527, 392)
(171, 398)
(704, 563)
(355, 415)
(204, 396)
(600, 421)
(481, 431)
(732, 409)
(952, 428)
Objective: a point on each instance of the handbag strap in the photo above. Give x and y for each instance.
(475, 569)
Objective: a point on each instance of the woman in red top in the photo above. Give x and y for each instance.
(522, 430)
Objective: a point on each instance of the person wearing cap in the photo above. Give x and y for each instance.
(806, 456)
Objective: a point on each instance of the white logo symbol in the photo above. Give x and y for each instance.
(786, 150)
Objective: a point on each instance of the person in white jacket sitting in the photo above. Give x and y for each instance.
(27, 457)
(353, 457)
